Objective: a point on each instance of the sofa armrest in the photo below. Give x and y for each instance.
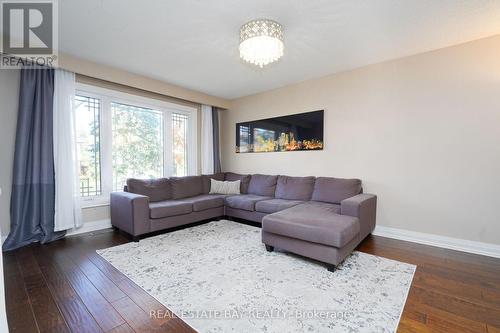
(130, 212)
(364, 207)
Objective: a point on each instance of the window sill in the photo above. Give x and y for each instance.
(88, 205)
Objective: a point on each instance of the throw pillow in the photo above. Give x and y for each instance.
(224, 187)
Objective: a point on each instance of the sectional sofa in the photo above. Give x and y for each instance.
(321, 218)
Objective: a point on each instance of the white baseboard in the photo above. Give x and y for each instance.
(485, 249)
(86, 227)
(90, 226)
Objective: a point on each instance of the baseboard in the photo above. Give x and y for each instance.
(90, 226)
(485, 249)
(86, 227)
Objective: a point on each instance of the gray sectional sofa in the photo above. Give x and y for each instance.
(321, 218)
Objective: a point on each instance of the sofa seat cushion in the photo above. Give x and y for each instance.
(167, 208)
(327, 207)
(317, 223)
(244, 201)
(275, 205)
(206, 201)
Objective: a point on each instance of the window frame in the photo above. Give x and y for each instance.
(91, 197)
(108, 96)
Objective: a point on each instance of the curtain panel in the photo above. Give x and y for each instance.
(33, 187)
(207, 139)
(68, 212)
(216, 142)
(210, 148)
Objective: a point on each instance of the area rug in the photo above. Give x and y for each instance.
(218, 277)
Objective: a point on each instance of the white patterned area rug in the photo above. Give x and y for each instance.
(218, 277)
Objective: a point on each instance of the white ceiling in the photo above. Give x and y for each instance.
(194, 43)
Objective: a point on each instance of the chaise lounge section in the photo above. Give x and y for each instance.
(321, 218)
(328, 227)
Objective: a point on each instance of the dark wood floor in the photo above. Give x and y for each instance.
(66, 287)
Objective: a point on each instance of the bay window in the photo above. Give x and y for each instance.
(121, 136)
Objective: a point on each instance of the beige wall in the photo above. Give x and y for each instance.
(422, 132)
(9, 95)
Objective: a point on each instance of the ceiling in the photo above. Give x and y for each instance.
(194, 43)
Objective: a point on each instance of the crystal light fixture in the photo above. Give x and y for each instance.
(261, 42)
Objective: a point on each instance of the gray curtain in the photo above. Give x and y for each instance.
(215, 128)
(32, 199)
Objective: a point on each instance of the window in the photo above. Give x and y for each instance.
(88, 145)
(121, 136)
(179, 130)
(137, 143)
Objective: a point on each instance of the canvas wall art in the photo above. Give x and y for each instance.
(301, 131)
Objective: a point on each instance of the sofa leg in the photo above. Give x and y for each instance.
(269, 248)
(331, 268)
(136, 238)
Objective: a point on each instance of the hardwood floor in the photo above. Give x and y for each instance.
(66, 287)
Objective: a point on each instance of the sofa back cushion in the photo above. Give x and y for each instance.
(294, 188)
(207, 178)
(184, 187)
(245, 179)
(262, 185)
(156, 189)
(334, 190)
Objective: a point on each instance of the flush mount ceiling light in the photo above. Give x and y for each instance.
(261, 42)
